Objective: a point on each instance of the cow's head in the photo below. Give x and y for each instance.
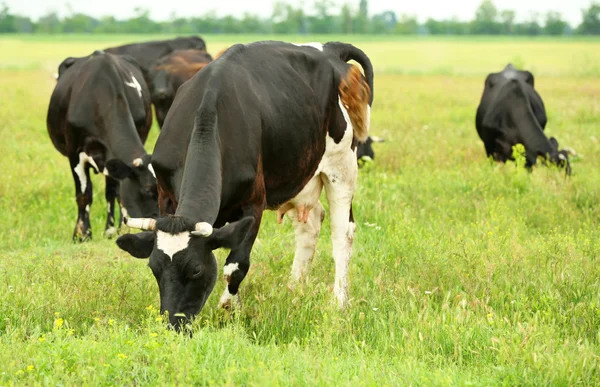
(182, 259)
(562, 156)
(364, 150)
(163, 91)
(138, 190)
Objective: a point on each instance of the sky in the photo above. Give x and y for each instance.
(164, 9)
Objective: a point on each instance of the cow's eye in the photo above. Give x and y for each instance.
(197, 273)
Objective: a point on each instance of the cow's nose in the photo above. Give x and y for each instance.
(161, 93)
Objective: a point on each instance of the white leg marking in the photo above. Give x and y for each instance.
(135, 84)
(171, 244)
(316, 45)
(307, 235)
(124, 213)
(228, 300)
(108, 207)
(230, 268)
(110, 232)
(87, 208)
(151, 169)
(339, 176)
(80, 169)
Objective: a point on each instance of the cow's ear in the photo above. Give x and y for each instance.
(554, 142)
(231, 235)
(119, 170)
(139, 245)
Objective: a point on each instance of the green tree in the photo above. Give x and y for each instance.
(591, 20)
(508, 21)
(346, 19)
(361, 22)
(49, 24)
(555, 25)
(407, 25)
(486, 19)
(7, 21)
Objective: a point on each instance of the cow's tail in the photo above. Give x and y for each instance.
(347, 52)
(356, 94)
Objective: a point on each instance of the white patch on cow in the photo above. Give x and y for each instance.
(151, 169)
(337, 172)
(87, 208)
(135, 85)
(230, 268)
(171, 244)
(316, 45)
(80, 169)
(108, 207)
(105, 172)
(124, 213)
(55, 76)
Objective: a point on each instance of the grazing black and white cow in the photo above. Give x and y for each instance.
(512, 112)
(170, 72)
(266, 126)
(99, 117)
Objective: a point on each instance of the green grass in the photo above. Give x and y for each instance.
(464, 272)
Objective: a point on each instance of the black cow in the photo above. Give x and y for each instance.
(146, 53)
(512, 112)
(99, 117)
(365, 152)
(170, 72)
(265, 126)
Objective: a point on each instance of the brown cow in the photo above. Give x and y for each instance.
(170, 72)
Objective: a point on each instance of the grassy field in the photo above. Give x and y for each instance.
(464, 272)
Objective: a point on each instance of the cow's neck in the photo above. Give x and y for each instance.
(201, 185)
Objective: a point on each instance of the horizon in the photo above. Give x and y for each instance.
(423, 10)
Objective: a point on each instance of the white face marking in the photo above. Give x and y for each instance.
(316, 45)
(230, 268)
(135, 84)
(171, 244)
(151, 169)
(80, 169)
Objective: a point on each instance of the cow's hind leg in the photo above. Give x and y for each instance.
(340, 182)
(307, 235)
(83, 197)
(112, 193)
(238, 262)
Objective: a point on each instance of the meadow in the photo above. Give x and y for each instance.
(464, 272)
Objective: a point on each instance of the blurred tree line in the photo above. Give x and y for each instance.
(326, 18)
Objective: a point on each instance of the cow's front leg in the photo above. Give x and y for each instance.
(83, 196)
(238, 262)
(112, 189)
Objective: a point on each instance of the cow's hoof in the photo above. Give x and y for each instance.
(229, 302)
(82, 237)
(110, 232)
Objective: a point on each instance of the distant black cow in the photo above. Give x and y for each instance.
(146, 53)
(170, 72)
(512, 112)
(267, 125)
(364, 150)
(99, 117)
